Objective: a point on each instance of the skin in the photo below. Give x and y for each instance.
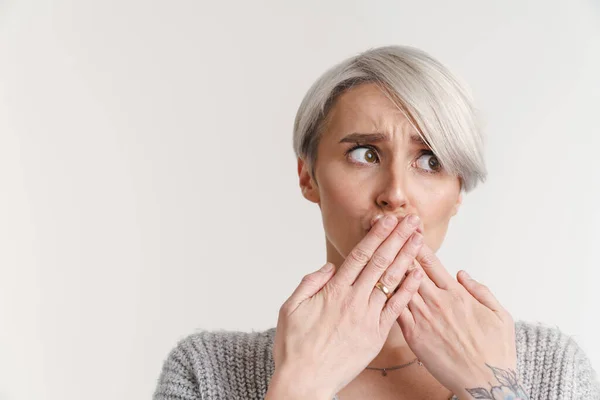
(456, 327)
(396, 179)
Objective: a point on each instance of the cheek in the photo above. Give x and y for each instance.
(336, 188)
(436, 211)
(343, 206)
(340, 199)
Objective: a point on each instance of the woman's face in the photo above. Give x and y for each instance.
(371, 162)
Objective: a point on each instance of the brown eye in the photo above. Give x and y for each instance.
(429, 162)
(363, 153)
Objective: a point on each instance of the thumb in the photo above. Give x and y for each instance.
(310, 285)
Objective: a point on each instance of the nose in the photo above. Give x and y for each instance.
(392, 195)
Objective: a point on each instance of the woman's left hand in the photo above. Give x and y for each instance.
(461, 333)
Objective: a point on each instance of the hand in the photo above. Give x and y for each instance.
(460, 332)
(335, 323)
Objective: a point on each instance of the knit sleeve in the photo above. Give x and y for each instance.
(586, 385)
(177, 380)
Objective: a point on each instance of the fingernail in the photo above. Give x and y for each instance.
(467, 275)
(389, 221)
(418, 274)
(327, 267)
(413, 220)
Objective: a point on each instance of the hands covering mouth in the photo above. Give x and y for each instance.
(400, 218)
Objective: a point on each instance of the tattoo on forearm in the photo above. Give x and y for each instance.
(508, 389)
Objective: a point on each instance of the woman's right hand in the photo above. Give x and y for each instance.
(336, 322)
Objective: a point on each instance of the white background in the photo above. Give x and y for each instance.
(149, 187)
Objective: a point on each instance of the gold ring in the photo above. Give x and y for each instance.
(384, 289)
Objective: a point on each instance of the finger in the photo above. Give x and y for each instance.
(481, 292)
(418, 308)
(394, 274)
(363, 251)
(406, 320)
(308, 287)
(434, 268)
(396, 305)
(428, 289)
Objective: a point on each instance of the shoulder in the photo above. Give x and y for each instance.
(551, 362)
(222, 343)
(218, 364)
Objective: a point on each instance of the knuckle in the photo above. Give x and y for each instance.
(390, 278)
(394, 274)
(508, 318)
(406, 258)
(359, 255)
(402, 233)
(285, 309)
(309, 279)
(380, 233)
(380, 261)
(414, 247)
(409, 256)
(463, 301)
(458, 296)
(396, 305)
(484, 288)
(332, 289)
(427, 260)
(412, 284)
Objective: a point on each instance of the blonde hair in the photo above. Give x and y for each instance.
(436, 103)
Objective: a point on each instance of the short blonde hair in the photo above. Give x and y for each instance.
(436, 103)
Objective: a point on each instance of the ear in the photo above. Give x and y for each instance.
(310, 190)
(458, 204)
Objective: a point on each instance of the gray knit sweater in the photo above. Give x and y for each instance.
(212, 365)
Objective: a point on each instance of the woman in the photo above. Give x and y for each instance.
(387, 143)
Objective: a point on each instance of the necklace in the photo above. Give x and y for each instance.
(384, 373)
(384, 370)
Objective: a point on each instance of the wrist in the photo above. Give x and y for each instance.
(291, 384)
(490, 390)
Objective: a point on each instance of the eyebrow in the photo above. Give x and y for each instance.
(378, 137)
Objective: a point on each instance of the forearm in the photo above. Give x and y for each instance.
(485, 392)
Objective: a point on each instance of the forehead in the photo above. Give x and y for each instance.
(365, 112)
